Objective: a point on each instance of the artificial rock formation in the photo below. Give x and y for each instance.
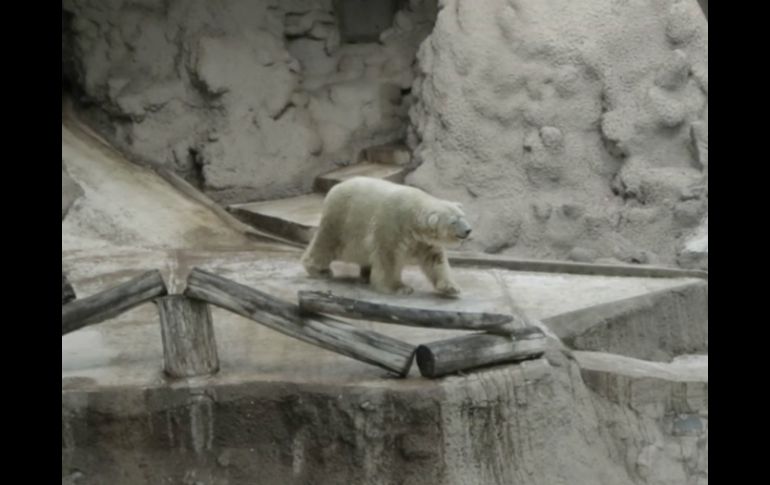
(571, 129)
(248, 99)
(70, 191)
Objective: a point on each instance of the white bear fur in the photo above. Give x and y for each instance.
(383, 226)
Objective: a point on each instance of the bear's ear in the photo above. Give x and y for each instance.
(432, 220)
(459, 206)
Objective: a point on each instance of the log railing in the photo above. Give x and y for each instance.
(189, 344)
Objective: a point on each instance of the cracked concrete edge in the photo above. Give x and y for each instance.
(569, 267)
(577, 322)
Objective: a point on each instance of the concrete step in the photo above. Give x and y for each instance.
(293, 218)
(296, 218)
(393, 173)
(389, 154)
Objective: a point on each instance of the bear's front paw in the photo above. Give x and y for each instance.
(366, 274)
(319, 272)
(403, 290)
(447, 288)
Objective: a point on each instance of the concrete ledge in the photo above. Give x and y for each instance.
(568, 267)
(392, 173)
(652, 326)
(680, 386)
(271, 432)
(295, 218)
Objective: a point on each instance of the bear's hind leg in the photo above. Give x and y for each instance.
(366, 273)
(435, 265)
(386, 275)
(320, 253)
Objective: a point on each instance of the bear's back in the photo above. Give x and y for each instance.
(370, 186)
(359, 202)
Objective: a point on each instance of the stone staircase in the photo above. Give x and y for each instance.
(296, 218)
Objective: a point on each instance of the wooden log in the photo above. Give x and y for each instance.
(321, 302)
(364, 345)
(569, 267)
(444, 357)
(67, 292)
(109, 303)
(189, 346)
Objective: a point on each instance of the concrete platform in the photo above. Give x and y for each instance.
(293, 218)
(126, 350)
(281, 411)
(393, 173)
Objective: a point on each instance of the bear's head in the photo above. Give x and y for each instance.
(445, 223)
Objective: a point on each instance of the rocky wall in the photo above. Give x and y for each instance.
(248, 99)
(568, 129)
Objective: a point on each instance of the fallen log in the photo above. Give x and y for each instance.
(364, 345)
(323, 302)
(444, 357)
(110, 303)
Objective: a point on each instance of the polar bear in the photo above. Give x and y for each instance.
(383, 226)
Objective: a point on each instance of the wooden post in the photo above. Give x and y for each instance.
(109, 303)
(67, 292)
(469, 351)
(189, 346)
(364, 345)
(320, 302)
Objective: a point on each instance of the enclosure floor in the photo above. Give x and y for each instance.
(126, 351)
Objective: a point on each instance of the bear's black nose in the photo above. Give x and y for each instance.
(467, 231)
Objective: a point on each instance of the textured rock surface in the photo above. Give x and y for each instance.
(247, 99)
(570, 129)
(536, 423)
(401, 433)
(567, 124)
(70, 191)
(695, 253)
(654, 415)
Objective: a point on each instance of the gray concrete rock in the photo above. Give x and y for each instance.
(70, 191)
